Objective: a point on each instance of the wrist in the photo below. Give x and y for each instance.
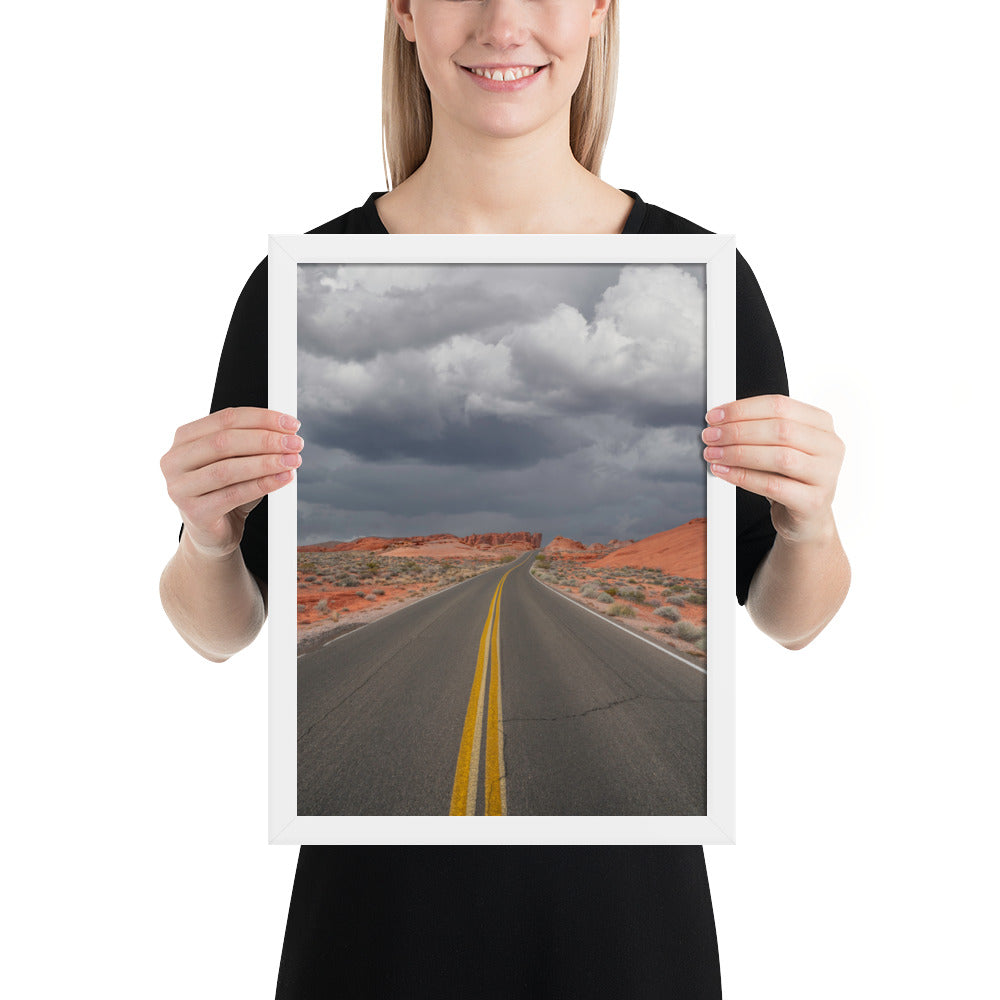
(214, 555)
(818, 534)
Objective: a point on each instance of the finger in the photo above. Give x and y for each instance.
(212, 507)
(779, 489)
(788, 462)
(781, 433)
(230, 472)
(237, 417)
(225, 444)
(770, 407)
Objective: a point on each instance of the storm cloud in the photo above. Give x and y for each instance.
(566, 399)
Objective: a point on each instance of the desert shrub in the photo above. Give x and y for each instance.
(696, 598)
(359, 593)
(618, 610)
(322, 606)
(676, 600)
(667, 629)
(635, 595)
(689, 632)
(300, 607)
(589, 590)
(613, 591)
(311, 579)
(604, 597)
(653, 602)
(378, 592)
(371, 597)
(507, 559)
(700, 644)
(671, 614)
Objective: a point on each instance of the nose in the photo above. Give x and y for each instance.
(503, 24)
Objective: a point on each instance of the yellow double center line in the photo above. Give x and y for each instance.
(463, 795)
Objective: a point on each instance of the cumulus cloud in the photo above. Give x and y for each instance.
(569, 394)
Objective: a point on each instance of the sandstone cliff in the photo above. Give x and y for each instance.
(507, 540)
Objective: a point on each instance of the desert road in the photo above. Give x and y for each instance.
(498, 696)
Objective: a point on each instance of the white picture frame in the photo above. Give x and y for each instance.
(285, 826)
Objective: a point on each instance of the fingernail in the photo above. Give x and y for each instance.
(289, 423)
(711, 434)
(291, 442)
(721, 469)
(714, 416)
(292, 460)
(711, 453)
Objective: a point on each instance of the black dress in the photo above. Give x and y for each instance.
(485, 922)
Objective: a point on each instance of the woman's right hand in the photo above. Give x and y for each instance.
(221, 466)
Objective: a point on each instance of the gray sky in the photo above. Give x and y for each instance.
(467, 398)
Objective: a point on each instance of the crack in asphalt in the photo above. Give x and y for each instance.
(598, 708)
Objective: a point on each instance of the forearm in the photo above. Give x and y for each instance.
(214, 603)
(798, 588)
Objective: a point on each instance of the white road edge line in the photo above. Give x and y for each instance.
(426, 597)
(627, 631)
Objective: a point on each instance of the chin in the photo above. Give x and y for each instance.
(504, 125)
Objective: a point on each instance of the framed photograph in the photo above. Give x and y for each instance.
(501, 587)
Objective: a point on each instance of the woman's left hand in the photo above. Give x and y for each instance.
(784, 450)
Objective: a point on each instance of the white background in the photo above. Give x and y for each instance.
(150, 150)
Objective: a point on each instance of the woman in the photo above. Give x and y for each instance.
(495, 114)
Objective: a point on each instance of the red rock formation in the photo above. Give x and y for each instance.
(570, 548)
(524, 540)
(562, 544)
(531, 540)
(680, 551)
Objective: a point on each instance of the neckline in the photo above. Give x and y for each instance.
(633, 224)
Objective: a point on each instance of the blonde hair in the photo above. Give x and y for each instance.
(406, 101)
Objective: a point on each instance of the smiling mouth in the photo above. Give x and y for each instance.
(503, 74)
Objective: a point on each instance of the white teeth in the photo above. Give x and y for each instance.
(514, 73)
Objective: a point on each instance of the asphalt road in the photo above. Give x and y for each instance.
(409, 715)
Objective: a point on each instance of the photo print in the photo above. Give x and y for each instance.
(501, 583)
